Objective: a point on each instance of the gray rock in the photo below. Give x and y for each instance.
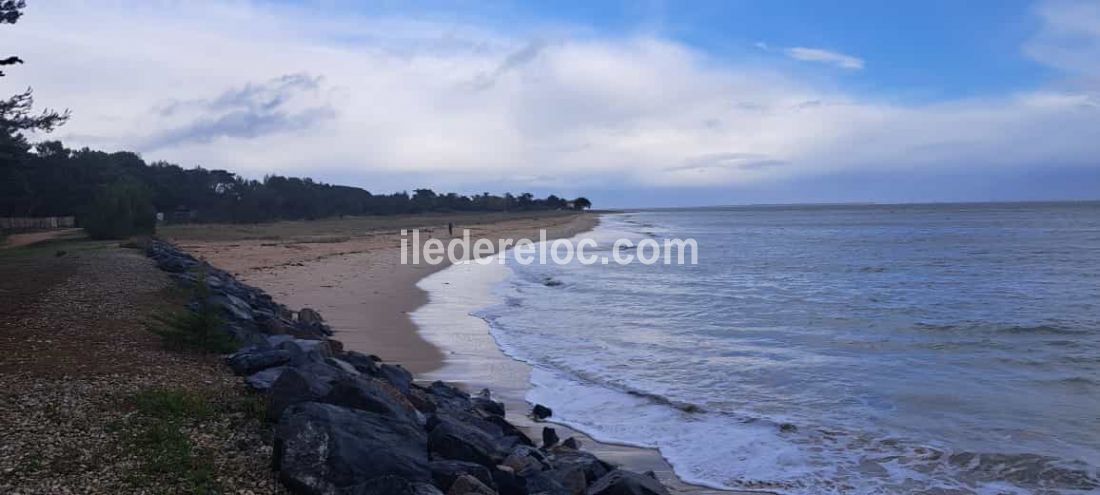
(344, 365)
(234, 306)
(526, 461)
(545, 483)
(250, 361)
(541, 412)
(508, 483)
(263, 380)
(445, 472)
(549, 437)
(309, 316)
(300, 384)
(367, 365)
(571, 478)
(277, 340)
(455, 440)
(397, 376)
(448, 397)
(390, 485)
(371, 394)
(469, 485)
(592, 467)
(489, 406)
(320, 448)
(306, 350)
(619, 482)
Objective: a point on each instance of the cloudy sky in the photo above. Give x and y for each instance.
(631, 103)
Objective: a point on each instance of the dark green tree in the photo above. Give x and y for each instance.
(118, 211)
(200, 328)
(17, 118)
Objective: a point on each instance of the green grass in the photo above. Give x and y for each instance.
(160, 441)
(201, 330)
(167, 404)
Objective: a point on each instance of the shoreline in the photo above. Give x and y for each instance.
(474, 361)
(359, 284)
(369, 298)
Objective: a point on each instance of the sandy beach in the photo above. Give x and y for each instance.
(349, 269)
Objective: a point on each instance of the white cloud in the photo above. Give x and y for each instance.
(1069, 37)
(824, 56)
(460, 105)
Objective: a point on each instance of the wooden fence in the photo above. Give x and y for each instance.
(36, 223)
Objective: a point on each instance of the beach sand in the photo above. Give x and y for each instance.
(350, 271)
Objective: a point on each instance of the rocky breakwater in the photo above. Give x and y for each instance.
(348, 423)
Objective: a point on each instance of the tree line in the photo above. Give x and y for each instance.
(117, 194)
(52, 180)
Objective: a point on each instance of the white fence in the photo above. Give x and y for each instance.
(36, 223)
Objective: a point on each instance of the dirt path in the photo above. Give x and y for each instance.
(28, 238)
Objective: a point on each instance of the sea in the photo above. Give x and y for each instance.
(941, 348)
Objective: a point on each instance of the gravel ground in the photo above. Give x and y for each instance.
(75, 359)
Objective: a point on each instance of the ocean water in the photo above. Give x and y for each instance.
(832, 349)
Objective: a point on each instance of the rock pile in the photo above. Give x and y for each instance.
(347, 423)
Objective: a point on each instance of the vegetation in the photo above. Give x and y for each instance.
(58, 181)
(165, 450)
(197, 328)
(17, 118)
(119, 211)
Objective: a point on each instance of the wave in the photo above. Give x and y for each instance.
(982, 327)
(729, 451)
(759, 398)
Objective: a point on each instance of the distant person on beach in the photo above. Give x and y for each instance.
(451, 229)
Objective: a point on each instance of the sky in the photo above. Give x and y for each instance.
(632, 104)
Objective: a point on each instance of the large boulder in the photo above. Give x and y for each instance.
(264, 380)
(469, 485)
(591, 466)
(303, 350)
(526, 461)
(322, 448)
(390, 485)
(310, 323)
(507, 482)
(488, 406)
(374, 395)
(619, 482)
(251, 360)
(444, 472)
(448, 397)
(309, 317)
(546, 483)
(514, 435)
(368, 365)
(233, 306)
(297, 384)
(570, 479)
(457, 441)
(397, 376)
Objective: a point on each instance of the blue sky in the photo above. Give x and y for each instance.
(631, 103)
